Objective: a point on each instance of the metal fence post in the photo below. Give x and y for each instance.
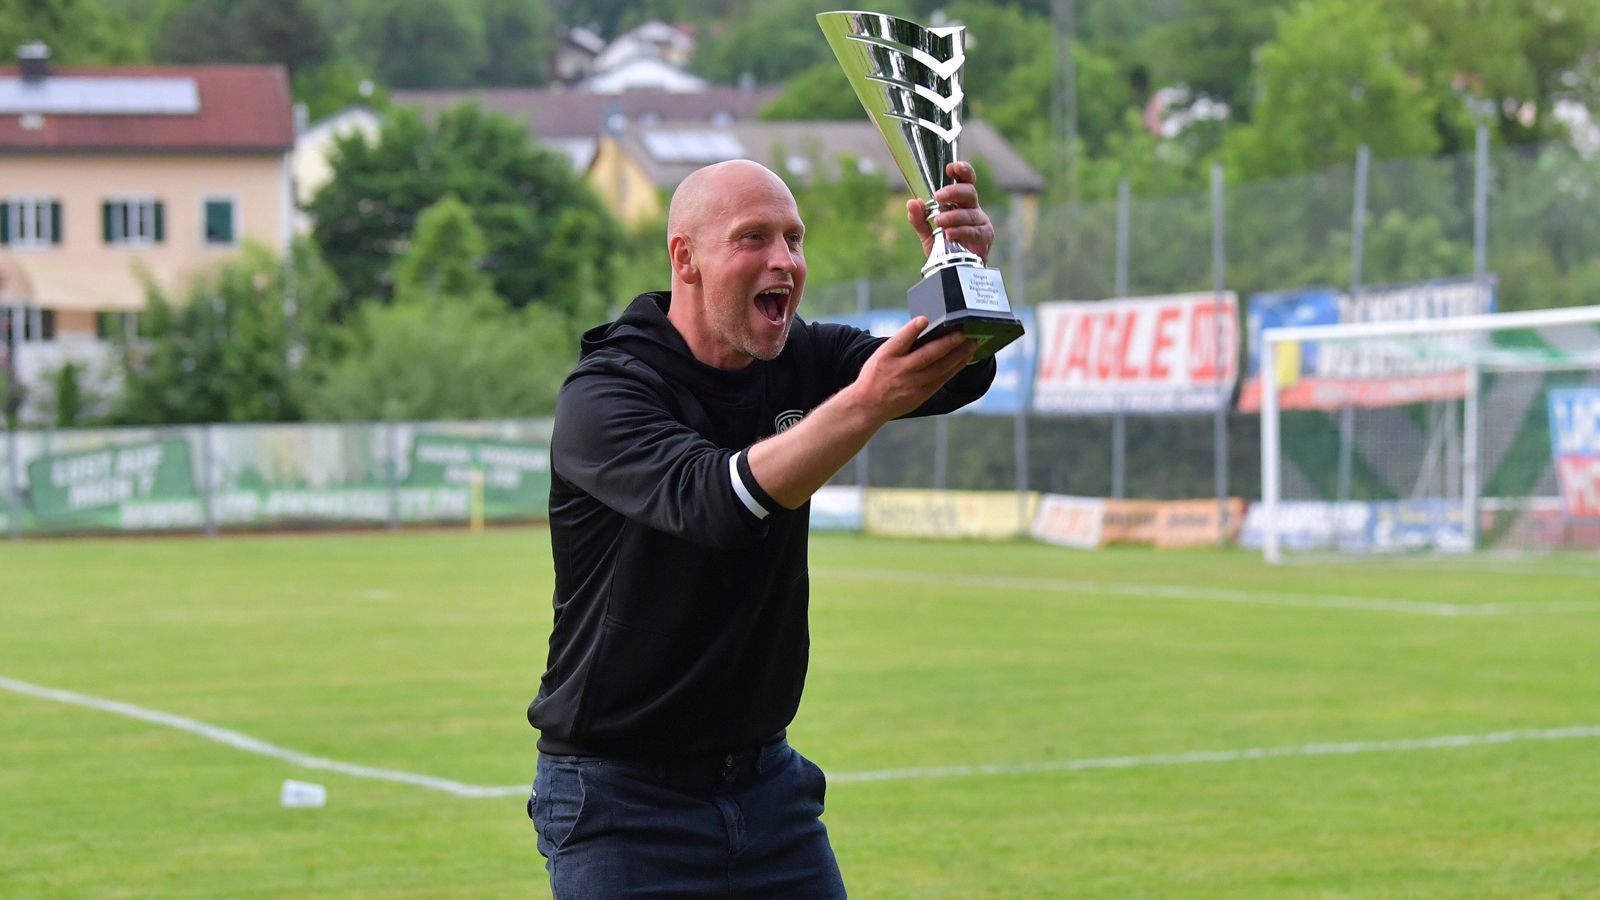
(392, 470)
(208, 475)
(863, 306)
(1019, 417)
(1119, 420)
(13, 482)
(1358, 246)
(1219, 277)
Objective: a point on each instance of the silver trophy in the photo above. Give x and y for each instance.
(909, 79)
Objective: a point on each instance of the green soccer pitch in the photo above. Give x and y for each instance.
(997, 720)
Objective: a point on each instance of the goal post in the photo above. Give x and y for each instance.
(1397, 454)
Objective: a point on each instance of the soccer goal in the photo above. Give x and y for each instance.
(1471, 433)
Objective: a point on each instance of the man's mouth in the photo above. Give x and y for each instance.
(774, 304)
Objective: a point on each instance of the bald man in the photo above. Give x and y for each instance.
(688, 442)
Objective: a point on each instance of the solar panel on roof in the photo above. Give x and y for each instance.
(70, 95)
(692, 146)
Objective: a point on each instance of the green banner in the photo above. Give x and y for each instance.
(133, 487)
(515, 476)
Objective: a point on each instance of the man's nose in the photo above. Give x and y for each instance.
(781, 257)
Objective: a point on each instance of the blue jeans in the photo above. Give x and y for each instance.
(745, 825)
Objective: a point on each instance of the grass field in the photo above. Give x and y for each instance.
(1007, 720)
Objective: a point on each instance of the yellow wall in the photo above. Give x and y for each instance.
(83, 272)
(624, 187)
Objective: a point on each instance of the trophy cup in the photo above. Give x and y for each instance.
(909, 79)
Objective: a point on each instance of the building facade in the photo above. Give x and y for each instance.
(113, 176)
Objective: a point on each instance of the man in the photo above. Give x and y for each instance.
(678, 522)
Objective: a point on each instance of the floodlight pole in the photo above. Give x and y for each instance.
(1469, 456)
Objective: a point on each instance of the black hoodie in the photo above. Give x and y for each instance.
(681, 587)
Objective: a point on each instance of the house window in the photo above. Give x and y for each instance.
(133, 222)
(30, 222)
(28, 324)
(220, 221)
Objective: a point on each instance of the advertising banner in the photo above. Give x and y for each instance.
(1198, 523)
(149, 484)
(1575, 440)
(515, 476)
(1070, 521)
(1130, 522)
(1334, 374)
(1310, 525)
(1014, 363)
(1173, 354)
(904, 512)
(837, 508)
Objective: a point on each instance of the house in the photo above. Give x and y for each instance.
(572, 121)
(637, 167)
(311, 165)
(116, 173)
(654, 39)
(575, 55)
(643, 73)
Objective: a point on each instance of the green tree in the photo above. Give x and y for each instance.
(550, 240)
(773, 42)
(225, 351)
(293, 33)
(421, 43)
(447, 347)
(78, 32)
(1332, 79)
(519, 37)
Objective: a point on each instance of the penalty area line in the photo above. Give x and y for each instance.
(240, 741)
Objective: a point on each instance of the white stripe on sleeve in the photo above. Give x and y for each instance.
(742, 490)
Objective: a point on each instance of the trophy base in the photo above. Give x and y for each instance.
(969, 299)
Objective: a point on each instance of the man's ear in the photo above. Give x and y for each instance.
(682, 255)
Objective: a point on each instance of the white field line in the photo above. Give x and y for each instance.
(240, 741)
(1192, 592)
(1223, 756)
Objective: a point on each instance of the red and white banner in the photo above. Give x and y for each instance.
(1148, 355)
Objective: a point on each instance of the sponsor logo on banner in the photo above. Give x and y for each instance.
(515, 475)
(1310, 525)
(899, 512)
(1575, 439)
(1070, 521)
(1194, 523)
(1335, 374)
(1150, 355)
(144, 484)
(1130, 521)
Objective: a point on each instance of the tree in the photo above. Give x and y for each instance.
(447, 347)
(78, 32)
(1332, 79)
(550, 241)
(293, 33)
(225, 351)
(773, 42)
(421, 43)
(519, 39)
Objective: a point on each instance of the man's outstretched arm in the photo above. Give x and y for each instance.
(792, 465)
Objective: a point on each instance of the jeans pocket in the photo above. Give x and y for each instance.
(556, 805)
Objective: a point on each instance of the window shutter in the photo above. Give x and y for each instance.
(161, 228)
(55, 221)
(107, 210)
(5, 223)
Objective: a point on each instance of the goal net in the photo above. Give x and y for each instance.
(1472, 433)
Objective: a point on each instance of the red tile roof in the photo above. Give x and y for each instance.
(243, 109)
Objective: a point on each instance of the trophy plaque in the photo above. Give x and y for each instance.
(909, 79)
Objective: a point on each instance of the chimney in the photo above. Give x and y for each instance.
(34, 59)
